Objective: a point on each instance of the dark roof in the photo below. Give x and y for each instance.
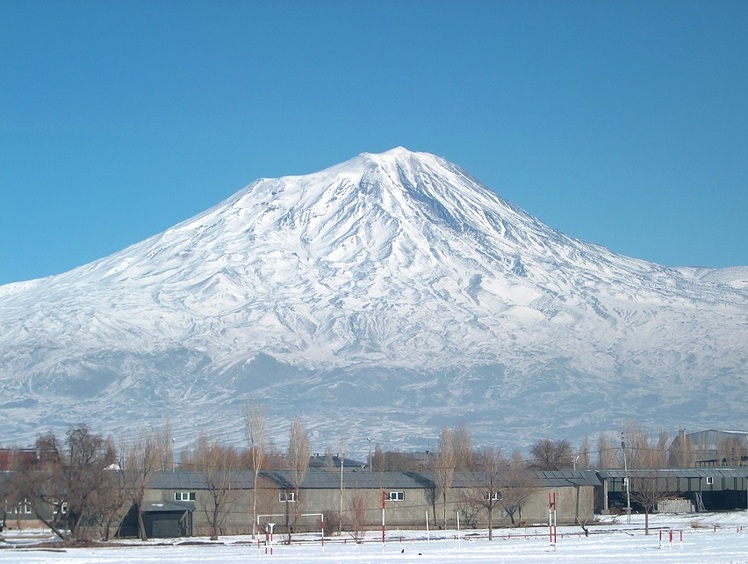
(320, 461)
(181, 480)
(168, 507)
(545, 478)
(360, 480)
(700, 472)
(561, 478)
(317, 478)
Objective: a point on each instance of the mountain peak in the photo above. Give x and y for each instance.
(389, 160)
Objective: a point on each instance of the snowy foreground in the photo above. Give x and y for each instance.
(708, 537)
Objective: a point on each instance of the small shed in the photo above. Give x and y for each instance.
(165, 519)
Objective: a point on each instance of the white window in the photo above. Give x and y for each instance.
(287, 497)
(23, 507)
(396, 496)
(493, 496)
(184, 496)
(710, 480)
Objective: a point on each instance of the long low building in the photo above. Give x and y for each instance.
(182, 503)
(713, 489)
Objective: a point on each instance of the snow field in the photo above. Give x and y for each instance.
(707, 538)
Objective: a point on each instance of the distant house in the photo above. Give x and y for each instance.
(16, 457)
(707, 489)
(710, 448)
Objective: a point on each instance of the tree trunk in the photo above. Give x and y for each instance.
(214, 525)
(51, 525)
(490, 523)
(444, 507)
(141, 523)
(254, 507)
(75, 521)
(288, 526)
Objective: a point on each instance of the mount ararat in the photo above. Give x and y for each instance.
(380, 298)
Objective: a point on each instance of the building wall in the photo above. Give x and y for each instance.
(412, 511)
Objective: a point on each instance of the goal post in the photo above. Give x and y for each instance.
(266, 518)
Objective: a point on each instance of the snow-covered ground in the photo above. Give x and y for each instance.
(708, 537)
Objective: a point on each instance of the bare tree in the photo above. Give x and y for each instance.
(76, 478)
(646, 456)
(358, 515)
(378, 459)
(297, 458)
(113, 506)
(649, 487)
(137, 462)
(217, 464)
(39, 483)
(643, 451)
(519, 486)
(583, 454)
(256, 427)
(607, 450)
(462, 444)
(445, 468)
(682, 453)
(85, 477)
(731, 451)
(329, 459)
(164, 446)
(341, 460)
(551, 455)
(485, 492)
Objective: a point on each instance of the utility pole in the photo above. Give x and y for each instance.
(341, 460)
(626, 482)
(370, 461)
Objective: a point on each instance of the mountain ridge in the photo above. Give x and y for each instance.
(398, 267)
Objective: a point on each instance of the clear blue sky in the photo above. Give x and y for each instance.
(621, 123)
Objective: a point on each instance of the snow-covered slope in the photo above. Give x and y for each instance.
(382, 297)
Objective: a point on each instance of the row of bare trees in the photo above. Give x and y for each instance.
(66, 482)
(495, 482)
(455, 453)
(72, 488)
(84, 483)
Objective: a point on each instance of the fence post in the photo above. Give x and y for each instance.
(552, 531)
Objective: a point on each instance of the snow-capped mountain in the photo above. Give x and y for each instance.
(382, 298)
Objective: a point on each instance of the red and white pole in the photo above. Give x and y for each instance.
(383, 514)
(552, 531)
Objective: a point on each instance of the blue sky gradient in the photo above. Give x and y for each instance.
(620, 123)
